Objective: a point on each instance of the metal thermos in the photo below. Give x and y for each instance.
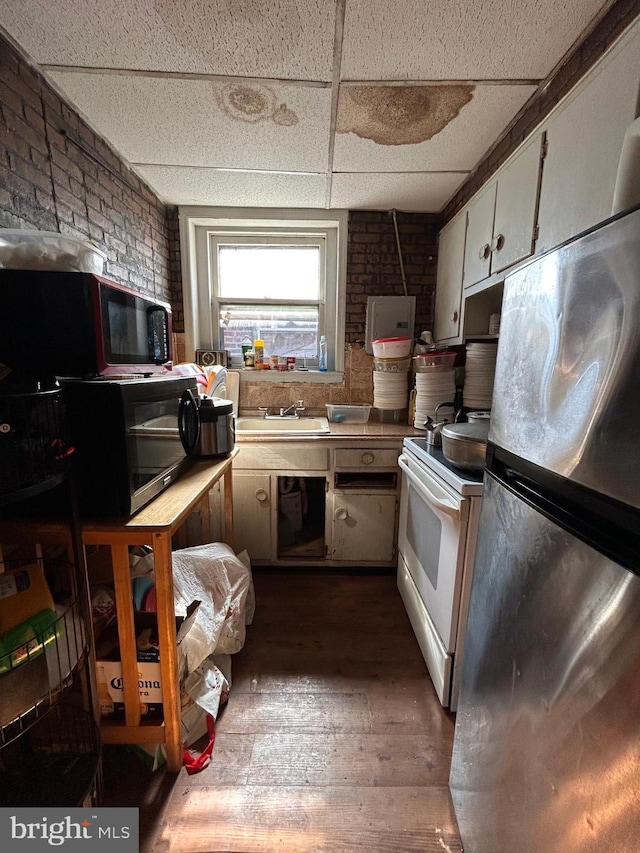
(217, 429)
(206, 425)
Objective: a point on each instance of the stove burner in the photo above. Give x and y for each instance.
(465, 482)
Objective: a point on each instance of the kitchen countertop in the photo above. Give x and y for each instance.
(370, 431)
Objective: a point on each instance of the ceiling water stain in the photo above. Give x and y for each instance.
(252, 102)
(399, 115)
(283, 115)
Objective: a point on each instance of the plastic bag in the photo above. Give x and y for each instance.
(221, 581)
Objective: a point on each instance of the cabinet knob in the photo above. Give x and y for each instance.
(367, 458)
(484, 252)
(454, 316)
(261, 495)
(341, 514)
(497, 243)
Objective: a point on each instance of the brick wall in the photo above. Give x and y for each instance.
(56, 174)
(373, 265)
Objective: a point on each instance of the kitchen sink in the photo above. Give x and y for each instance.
(282, 426)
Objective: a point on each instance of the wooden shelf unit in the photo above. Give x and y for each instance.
(154, 525)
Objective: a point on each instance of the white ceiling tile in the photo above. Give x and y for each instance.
(406, 114)
(458, 39)
(290, 39)
(235, 124)
(178, 185)
(425, 192)
(186, 89)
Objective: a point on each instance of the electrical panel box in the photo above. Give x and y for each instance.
(389, 317)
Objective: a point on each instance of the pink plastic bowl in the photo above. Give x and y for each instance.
(391, 347)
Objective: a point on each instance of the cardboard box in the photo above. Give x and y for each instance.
(291, 507)
(109, 666)
(149, 688)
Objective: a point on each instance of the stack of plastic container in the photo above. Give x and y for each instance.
(391, 363)
(435, 384)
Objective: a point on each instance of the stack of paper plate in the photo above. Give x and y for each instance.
(479, 371)
(390, 390)
(433, 388)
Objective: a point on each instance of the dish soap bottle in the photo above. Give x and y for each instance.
(322, 358)
(246, 345)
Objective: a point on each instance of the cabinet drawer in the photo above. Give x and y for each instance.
(299, 458)
(386, 457)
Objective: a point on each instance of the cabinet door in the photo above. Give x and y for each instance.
(516, 208)
(477, 253)
(449, 281)
(585, 136)
(363, 527)
(252, 514)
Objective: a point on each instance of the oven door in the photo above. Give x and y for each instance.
(432, 536)
(154, 448)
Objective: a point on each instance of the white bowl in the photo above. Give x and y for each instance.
(391, 347)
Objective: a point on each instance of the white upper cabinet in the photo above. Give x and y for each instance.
(585, 135)
(517, 196)
(560, 182)
(502, 218)
(477, 256)
(449, 280)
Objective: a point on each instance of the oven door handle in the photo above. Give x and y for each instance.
(447, 507)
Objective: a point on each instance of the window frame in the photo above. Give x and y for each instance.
(197, 228)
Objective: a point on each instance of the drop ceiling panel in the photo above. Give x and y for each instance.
(458, 39)
(425, 191)
(206, 123)
(458, 123)
(290, 39)
(178, 185)
(230, 102)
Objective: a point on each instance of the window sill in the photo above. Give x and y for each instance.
(288, 376)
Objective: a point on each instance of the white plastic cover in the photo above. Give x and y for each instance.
(221, 581)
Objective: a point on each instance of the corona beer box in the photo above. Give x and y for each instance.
(112, 699)
(109, 668)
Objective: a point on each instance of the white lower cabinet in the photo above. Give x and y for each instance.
(363, 527)
(252, 514)
(317, 505)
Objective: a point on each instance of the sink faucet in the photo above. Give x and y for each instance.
(292, 411)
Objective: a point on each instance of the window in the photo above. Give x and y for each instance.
(262, 276)
(270, 288)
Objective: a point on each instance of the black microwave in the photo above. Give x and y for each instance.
(79, 324)
(126, 438)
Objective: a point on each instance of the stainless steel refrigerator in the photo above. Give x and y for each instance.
(546, 755)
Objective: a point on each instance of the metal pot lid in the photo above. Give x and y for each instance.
(467, 432)
(216, 405)
(484, 416)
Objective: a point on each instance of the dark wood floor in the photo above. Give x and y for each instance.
(333, 739)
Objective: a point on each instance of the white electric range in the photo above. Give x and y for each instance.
(439, 512)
